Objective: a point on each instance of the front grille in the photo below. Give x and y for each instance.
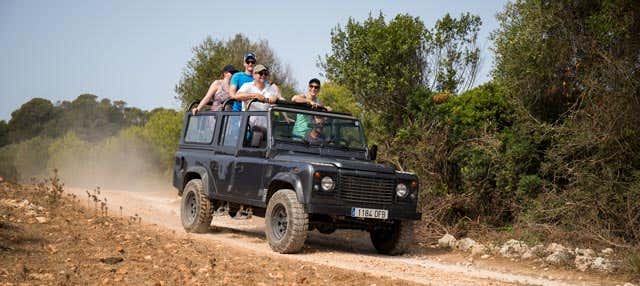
(361, 189)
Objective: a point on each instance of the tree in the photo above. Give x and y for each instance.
(4, 133)
(163, 131)
(379, 62)
(453, 53)
(573, 67)
(339, 98)
(30, 119)
(210, 56)
(92, 119)
(385, 63)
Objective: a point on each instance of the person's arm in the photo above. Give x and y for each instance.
(234, 88)
(213, 88)
(299, 98)
(275, 90)
(244, 94)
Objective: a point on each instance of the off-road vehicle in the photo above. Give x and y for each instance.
(301, 168)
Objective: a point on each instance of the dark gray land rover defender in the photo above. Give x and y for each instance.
(300, 168)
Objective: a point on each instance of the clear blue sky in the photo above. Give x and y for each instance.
(135, 50)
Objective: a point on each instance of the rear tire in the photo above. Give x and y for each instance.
(286, 222)
(196, 210)
(394, 240)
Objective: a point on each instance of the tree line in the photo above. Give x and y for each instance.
(86, 139)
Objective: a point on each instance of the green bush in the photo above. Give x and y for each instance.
(163, 132)
(71, 156)
(7, 163)
(31, 157)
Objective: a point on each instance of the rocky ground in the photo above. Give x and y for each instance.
(553, 254)
(47, 240)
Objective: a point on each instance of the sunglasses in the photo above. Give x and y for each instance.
(314, 86)
(263, 73)
(250, 62)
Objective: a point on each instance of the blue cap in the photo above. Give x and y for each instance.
(249, 55)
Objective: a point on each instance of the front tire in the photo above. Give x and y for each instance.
(393, 240)
(196, 210)
(286, 222)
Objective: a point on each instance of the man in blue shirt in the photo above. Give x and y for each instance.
(240, 78)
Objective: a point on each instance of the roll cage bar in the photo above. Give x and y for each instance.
(279, 103)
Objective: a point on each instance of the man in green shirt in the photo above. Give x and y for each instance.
(304, 122)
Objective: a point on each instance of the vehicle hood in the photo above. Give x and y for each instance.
(338, 162)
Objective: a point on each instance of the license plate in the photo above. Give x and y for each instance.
(369, 213)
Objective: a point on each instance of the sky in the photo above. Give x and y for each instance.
(136, 50)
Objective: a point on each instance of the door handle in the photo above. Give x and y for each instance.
(239, 168)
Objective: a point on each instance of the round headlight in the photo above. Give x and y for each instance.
(401, 190)
(327, 183)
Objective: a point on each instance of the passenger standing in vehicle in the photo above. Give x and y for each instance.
(262, 90)
(303, 122)
(311, 96)
(218, 91)
(239, 79)
(259, 89)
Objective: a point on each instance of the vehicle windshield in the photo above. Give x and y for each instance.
(315, 129)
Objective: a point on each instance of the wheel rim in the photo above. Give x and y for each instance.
(191, 208)
(279, 221)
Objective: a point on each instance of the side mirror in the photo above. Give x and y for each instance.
(373, 152)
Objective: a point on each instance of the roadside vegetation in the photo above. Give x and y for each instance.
(547, 149)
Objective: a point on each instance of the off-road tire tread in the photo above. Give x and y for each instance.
(399, 242)
(202, 222)
(298, 222)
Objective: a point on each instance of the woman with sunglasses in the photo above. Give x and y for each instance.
(218, 91)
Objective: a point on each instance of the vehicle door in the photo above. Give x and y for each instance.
(227, 142)
(198, 139)
(250, 162)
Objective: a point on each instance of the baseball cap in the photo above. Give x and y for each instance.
(249, 55)
(230, 69)
(260, 68)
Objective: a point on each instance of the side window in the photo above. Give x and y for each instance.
(200, 129)
(231, 130)
(255, 134)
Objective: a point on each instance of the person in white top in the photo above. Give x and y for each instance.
(262, 90)
(259, 89)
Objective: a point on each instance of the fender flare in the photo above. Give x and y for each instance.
(292, 179)
(204, 176)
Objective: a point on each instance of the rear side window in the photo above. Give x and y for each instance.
(231, 130)
(256, 132)
(200, 129)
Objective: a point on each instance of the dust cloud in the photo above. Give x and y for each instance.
(116, 163)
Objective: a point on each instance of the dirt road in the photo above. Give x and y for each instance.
(349, 250)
